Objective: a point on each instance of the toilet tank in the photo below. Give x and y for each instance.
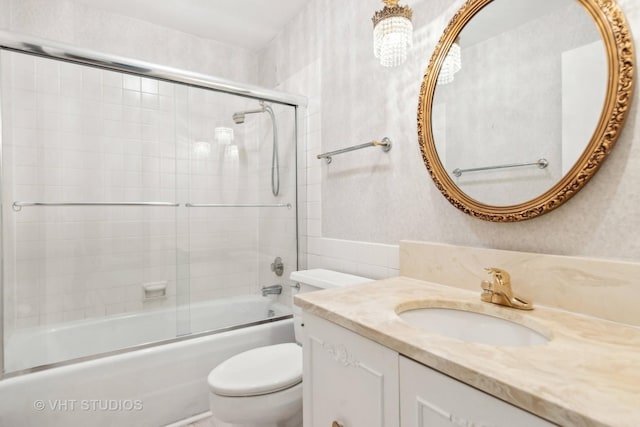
(316, 280)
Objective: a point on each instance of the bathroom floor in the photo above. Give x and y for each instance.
(203, 420)
(207, 422)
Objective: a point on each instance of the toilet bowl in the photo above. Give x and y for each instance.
(262, 387)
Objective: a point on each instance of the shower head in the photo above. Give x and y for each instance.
(238, 117)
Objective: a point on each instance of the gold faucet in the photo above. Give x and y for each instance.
(498, 291)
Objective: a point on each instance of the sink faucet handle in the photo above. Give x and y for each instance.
(499, 291)
(501, 281)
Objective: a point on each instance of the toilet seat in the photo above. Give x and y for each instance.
(259, 371)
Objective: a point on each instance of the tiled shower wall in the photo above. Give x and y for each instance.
(74, 134)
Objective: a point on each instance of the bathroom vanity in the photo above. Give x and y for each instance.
(345, 372)
(366, 366)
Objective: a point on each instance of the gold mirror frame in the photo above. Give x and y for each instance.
(620, 54)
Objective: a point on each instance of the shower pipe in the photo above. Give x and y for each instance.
(49, 49)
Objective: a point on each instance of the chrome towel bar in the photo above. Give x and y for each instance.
(17, 206)
(385, 144)
(542, 163)
(239, 205)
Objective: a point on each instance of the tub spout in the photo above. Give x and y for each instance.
(271, 290)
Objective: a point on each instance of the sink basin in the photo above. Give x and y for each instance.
(473, 327)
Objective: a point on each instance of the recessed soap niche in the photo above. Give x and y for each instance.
(152, 291)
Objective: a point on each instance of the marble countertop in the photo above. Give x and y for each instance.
(587, 375)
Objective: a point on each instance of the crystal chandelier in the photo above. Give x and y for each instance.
(451, 65)
(392, 33)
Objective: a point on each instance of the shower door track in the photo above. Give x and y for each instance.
(50, 49)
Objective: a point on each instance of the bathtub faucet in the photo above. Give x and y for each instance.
(271, 290)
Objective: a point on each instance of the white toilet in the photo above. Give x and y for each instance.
(263, 387)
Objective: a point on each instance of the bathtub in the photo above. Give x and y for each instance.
(151, 386)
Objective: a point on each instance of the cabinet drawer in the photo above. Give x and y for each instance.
(347, 378)
(431, 399)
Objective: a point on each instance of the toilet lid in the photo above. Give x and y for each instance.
(259, 371)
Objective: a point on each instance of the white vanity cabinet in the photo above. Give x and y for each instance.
(431, 399)
(351, 381)
(348, 380)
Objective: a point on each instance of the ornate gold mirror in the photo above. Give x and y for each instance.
(522, 101)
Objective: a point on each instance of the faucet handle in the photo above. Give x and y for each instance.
(500, 276)
(499, 291)
(487, 291)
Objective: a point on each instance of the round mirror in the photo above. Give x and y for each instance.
(522, 101)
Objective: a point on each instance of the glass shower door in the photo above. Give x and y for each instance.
(237, 225)
(89, 210)
(137, 211)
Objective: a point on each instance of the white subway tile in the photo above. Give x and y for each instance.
(132, 98)
(150, 100)
(52, 303)
(166, 88)
(51, 318)
(150, 85)
(91, 90)
(115, 309)
(26, 322)
(71, 88)
(314, 193)
(95, 311)
(112, 79)
(112, 95)
(23, 72)
(314, 228)
(23, 99)
(132, 114)
(131, 83)
(25, 137)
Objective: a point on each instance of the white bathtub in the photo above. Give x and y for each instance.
(43, 345)
(153, 386)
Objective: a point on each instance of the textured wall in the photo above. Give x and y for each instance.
(374, 197)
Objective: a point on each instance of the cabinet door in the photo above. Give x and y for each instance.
(431, 399)
(347, 379)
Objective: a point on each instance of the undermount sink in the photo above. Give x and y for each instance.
(473, 327)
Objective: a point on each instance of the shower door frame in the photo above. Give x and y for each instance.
(29, 45)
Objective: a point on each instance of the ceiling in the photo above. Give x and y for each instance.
(247, 23)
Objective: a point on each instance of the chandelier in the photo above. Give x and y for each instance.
(392, 33)
(451, 65)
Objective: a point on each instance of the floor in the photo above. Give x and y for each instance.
(207, 422)
(203, 420)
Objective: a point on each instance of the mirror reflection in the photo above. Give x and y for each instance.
(525, 102)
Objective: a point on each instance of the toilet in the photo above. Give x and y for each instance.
(262, 387)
